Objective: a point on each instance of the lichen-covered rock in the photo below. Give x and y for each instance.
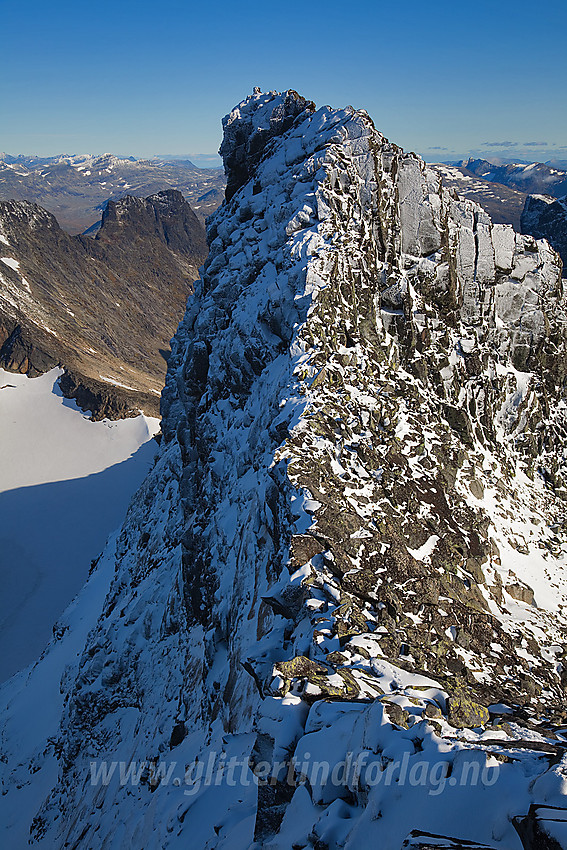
(464, 712)
(521, 592)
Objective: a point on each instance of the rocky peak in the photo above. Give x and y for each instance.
(352, 543)
(249, 128)
(24, 216)
(165, 216)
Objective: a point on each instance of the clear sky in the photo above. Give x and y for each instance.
(445, 79)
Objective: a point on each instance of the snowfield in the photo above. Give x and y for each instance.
(65, 484)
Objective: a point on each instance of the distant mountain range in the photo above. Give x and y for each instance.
(535, 178)
(76, 188)
(105, 308)
(503, 203)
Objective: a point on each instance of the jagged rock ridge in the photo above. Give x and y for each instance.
(501, 191)
(104, 308)
(351, 542)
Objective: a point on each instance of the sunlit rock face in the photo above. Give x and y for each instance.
(350, 546)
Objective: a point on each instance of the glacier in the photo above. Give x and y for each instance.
(65, 483)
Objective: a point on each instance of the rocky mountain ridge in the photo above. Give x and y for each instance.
(352, 544)
(497, 190)
(105, 309)
(76, 188)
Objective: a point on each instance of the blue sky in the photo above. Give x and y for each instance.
(445, 79)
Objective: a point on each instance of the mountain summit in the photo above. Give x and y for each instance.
(345, 575)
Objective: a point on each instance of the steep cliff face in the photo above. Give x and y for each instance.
(350, 549)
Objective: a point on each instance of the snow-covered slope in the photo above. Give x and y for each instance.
(346, 570)
(65, 484)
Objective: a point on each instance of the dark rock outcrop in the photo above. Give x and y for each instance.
(537, 828)
(545, 217)
(418, 840)
(102, 400)
(244, 142)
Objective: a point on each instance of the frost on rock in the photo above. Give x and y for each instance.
(350, 550)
